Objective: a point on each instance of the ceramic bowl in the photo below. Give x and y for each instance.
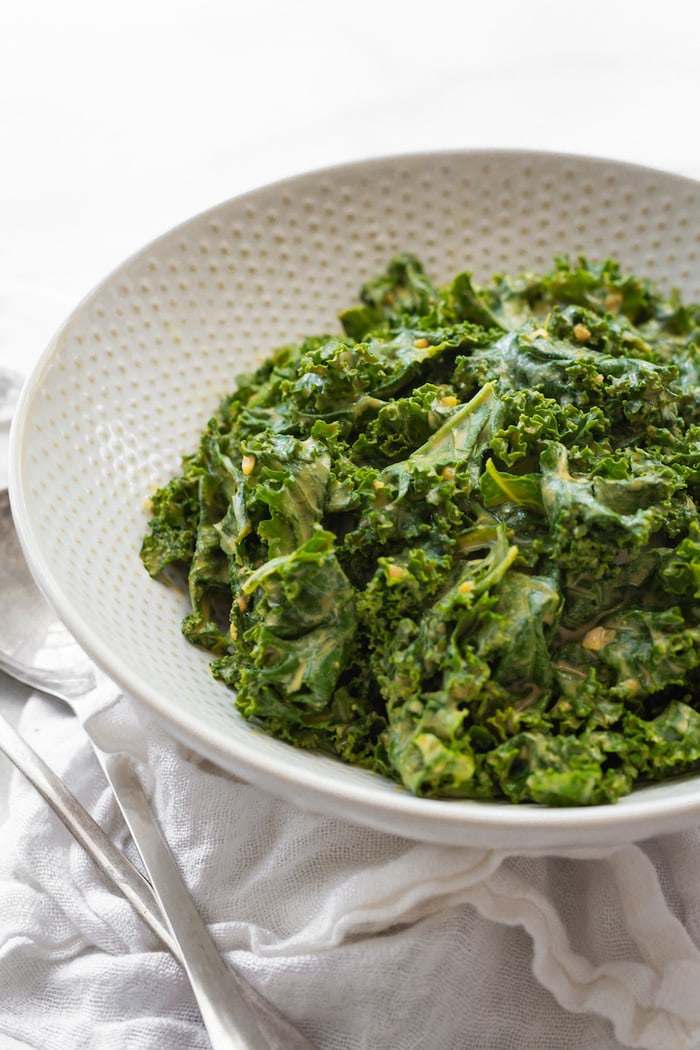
(126, 385)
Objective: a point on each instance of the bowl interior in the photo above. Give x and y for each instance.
(127, 384)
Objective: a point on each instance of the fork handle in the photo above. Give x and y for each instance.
(86, 831)
(236, 1017)
(240, 1019)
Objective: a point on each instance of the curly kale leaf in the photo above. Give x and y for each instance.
(173, 533)
(681, 570)
(299, 629)
(402, 291)
(427, 494)
(628, 390)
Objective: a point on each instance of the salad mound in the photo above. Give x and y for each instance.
(459, 543)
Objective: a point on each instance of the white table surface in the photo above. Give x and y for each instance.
(118, 122)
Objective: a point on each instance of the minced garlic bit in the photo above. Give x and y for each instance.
(581, 332)
(539, 333)
(394, 572)
(449, 401)
(377, 484)
(448, 473)
(466, 587)
(242, 602)
(248, 464)
(420, 344)
(613, 301)
(597, 638)
(233, 631)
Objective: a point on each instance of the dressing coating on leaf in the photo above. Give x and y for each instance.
(457, 542)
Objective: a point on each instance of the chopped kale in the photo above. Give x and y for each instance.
(458, 542)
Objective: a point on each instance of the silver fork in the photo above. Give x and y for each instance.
(239, 1017)
(35, 648)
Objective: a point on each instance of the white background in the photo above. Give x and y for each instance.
(120, 120)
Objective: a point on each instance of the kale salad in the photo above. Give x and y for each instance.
(457, 541)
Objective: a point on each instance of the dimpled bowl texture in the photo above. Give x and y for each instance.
(129, 381)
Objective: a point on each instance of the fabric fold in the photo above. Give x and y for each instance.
(363, 939)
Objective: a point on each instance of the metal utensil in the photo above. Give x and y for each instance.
(35, 648)
(87, 832)
(10, 386)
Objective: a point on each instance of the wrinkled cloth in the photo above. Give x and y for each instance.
(362, 939)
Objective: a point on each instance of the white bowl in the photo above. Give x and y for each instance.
(125, 388)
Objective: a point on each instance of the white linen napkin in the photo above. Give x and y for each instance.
(363, 939)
